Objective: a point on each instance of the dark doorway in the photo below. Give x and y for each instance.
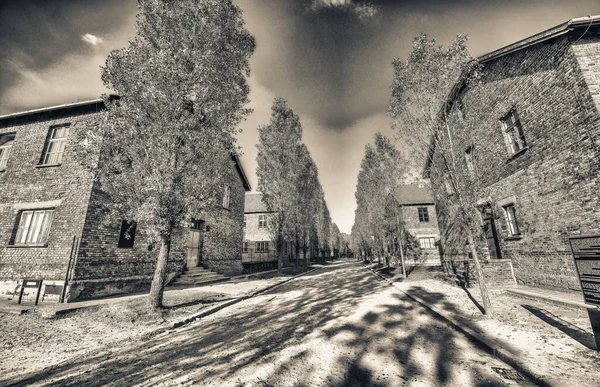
(491, 234)
(195, 243)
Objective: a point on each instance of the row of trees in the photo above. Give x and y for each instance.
(288, 179)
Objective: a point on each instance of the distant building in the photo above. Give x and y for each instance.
(51, 216)
(542, 133)
(418, 216)
(259, 251)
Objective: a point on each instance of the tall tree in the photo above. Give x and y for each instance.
(422, 90)
(166, 141)
(382, 169)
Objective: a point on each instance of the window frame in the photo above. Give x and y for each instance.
(227, 197)
(512, 130)
(5, 149)
(245, 246)
(512, 222)
(43, 229)
(430, 245)
(262, 223)
(262, 247)
(49, 156)
(423, 213)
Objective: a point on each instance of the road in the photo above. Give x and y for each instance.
(337, 326)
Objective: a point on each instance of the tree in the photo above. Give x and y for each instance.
(167, 140)
(288, 180)
(422, 89)
(381, 172)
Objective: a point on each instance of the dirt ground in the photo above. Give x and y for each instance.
(30, 342)
(338, 326)
(555, 342)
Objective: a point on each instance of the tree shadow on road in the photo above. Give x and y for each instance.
(310, 329)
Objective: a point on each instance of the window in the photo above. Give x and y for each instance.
(262, 247)
(127, 235)
(245, 247)
(6, 141)
(511, 220)
(423, 214)
(469, 158)
(262, 221)
(513, 133)
(427, 243)
(56, 145)
(245, 220)
(33, 227)
(226, 196)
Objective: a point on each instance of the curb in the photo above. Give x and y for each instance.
(488, 345)
(523, 294)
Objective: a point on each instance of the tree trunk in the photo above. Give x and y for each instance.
(487, 304)
(402, 256)
(160, 273)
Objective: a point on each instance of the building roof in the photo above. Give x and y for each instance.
(585, 24)
(240, 170)
(254, 203)
(410, 194)
(52, 112)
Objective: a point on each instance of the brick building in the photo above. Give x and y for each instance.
(51, 216)
(540, 129)
(417, 213)
(259, 252)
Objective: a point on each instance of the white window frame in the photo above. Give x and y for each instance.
(227, 196)
(512, 224)
(33, 227)
(427, 243)
(262, 221)
(513, 133)
(5, 149)
(245, 247)
(55, 149)
(262, 247)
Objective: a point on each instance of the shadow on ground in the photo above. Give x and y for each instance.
(289, 334)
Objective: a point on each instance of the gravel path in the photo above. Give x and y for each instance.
(338, 326)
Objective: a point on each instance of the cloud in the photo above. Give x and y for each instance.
(91, 39)
(362, 10)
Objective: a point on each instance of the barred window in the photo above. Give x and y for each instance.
(34, 226)
(55, 148)
(427, 243)
(6, 141)
(245, 247)
(423, 214)
(513, 133)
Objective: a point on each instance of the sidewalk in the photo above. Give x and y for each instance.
(31, 342)
(544, 340)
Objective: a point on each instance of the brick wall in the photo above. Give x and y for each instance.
(24, 185)
(410, 217)
(554, 184)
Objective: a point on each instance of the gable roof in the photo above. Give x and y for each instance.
(254, 203)
(410, 194)
(240, 170)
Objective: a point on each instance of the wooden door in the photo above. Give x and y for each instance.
(195, 244)
(491, 234)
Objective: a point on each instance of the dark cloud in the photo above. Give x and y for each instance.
(35, 35)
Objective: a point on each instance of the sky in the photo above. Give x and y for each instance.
(331, 59)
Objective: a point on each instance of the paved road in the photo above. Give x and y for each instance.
(338, 326)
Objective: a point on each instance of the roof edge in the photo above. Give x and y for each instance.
(240, 170)
(553, 32)
(51, 108)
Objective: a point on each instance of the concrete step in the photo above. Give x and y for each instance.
(199, 279)
(195, 284)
